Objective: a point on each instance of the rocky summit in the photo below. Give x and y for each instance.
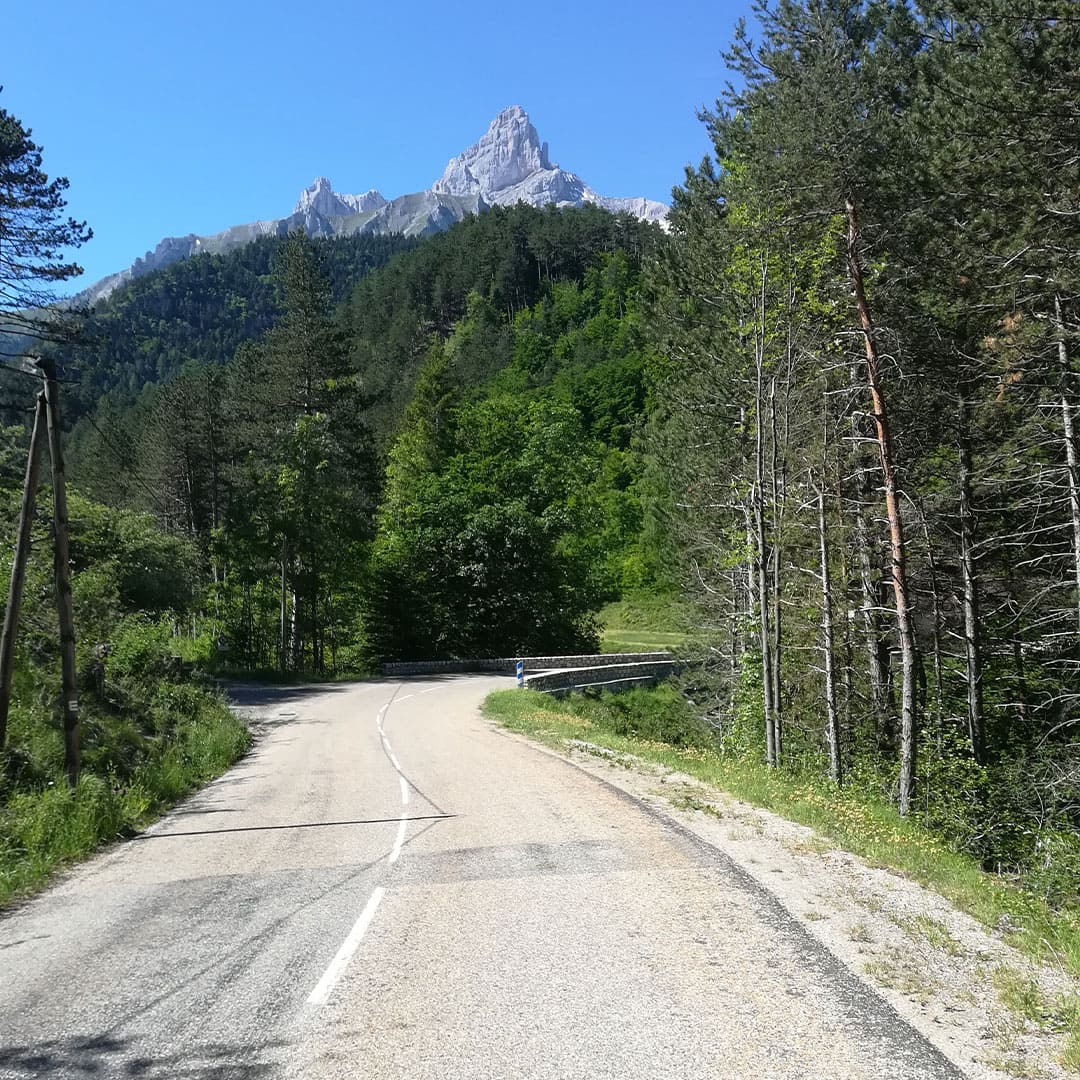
(509, 164)
(322, 199)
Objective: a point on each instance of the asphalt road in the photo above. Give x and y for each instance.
(389, 887)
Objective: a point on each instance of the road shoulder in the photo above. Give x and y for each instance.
(942, 971)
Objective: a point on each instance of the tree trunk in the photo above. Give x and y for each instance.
(62, 571)
(972, 629)
(762, 557)
(1021, 680)
(776, 489)
(1070, 445)
(877, 653)
(18, 564)
(832, 725)
(296, 640)
(935, 602)
(905, 631)
(762, 561)
(283, 651)
(845, 577)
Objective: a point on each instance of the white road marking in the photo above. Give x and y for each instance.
(396, 853)
(395, 762)
(404, 791)
(321, 994)
(431, 691)
(386, 745)
(404, 697)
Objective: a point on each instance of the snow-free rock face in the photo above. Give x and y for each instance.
(509, 152)
(507, 166)
(639, 207)
(322, 199)
(510, 165)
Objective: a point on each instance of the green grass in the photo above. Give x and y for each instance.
(619, 641)
(1020, 994)
(871, 830)
(48, 826)
(642, 623)
(931, 931)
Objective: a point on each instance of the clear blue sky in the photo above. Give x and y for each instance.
(176, 118)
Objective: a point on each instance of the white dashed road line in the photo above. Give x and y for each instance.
(321, 994)
(399, 840)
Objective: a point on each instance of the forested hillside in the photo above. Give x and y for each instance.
(482, 388)
(198, 310)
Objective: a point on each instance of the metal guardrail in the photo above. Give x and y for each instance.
(507, 665)
(556, 674)
(607, 676)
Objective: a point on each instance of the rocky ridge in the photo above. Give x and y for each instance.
(509, 164)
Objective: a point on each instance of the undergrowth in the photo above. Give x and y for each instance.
(45, 824)
(151, 728)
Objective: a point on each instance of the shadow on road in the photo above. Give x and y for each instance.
(254, 694)
(297, 825)
(110, 1055)
(258, 694)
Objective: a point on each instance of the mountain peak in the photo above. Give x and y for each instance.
(508, 165)
(508, 152)
(320, 198)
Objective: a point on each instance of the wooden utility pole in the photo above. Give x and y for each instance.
(70, 689)
(18, 566)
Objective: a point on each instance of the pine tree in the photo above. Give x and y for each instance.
(34, 237)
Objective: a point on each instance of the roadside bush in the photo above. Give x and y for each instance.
(46, 826)
(141, 649)
(150, 731)
(661, 714)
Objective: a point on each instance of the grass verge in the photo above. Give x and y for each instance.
(48, 826)
(639, 723)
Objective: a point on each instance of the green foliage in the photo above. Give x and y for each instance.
(152, 570)
(35, 238)
(477, 559)
(483, 273)
(151, 730)
(200, 309)
(511, 507)
(482, 389)
(659, 715)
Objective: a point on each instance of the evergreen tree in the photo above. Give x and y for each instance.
(34, 237)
